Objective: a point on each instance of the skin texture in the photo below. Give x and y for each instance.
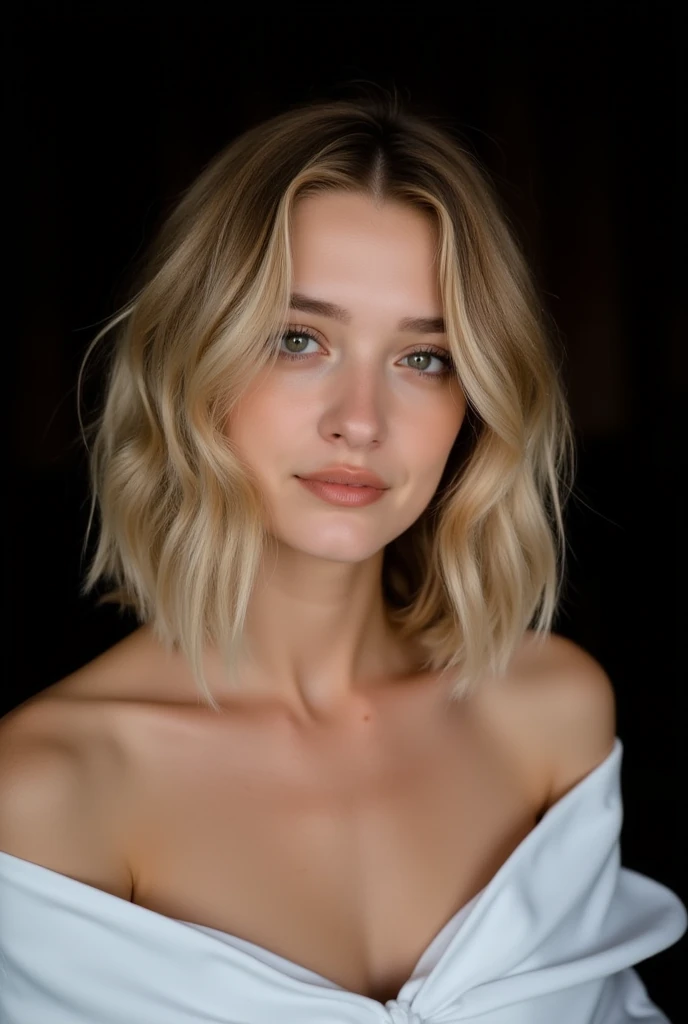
(354, 396)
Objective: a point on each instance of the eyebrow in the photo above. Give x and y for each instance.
(417, 324)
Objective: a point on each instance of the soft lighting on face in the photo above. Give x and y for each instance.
(364, 378)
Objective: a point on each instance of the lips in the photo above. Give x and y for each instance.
(343, 495)
(350, 477)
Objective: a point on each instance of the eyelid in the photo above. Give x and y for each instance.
(301, 328)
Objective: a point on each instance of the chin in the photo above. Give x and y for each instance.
(333, 549)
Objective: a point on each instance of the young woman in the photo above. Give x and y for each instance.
(344, 771)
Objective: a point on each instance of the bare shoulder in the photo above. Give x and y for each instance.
(61, 772)
(68, 763)
(559, 703)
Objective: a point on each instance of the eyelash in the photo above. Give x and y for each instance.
(427, 350)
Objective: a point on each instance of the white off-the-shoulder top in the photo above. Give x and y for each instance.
(549, 940)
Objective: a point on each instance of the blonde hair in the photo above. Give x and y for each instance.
(182, 523)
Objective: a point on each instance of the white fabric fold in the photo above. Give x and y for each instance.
(550, 940)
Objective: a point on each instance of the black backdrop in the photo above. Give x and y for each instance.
(111, 112)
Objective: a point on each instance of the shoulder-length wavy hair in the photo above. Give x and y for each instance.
(182, 526)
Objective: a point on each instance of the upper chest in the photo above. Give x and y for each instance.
(345, 851)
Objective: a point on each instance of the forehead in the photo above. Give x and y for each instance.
(347, 241)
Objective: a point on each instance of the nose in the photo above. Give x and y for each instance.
(355, 411)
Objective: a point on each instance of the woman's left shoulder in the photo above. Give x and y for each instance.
(561, 701)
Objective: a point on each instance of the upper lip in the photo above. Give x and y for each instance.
(346, 475)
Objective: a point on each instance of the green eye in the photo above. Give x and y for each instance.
(304, 335)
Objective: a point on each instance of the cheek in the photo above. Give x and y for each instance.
(429, 439)
(265, 421)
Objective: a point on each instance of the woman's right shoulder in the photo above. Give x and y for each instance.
(60, 806)
(124, 675)
(66, 774)
(85, 722)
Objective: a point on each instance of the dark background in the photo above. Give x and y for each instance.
(577, 116)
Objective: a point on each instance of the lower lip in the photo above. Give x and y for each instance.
(342, 494)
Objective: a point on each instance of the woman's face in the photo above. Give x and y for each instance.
(355, 393)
